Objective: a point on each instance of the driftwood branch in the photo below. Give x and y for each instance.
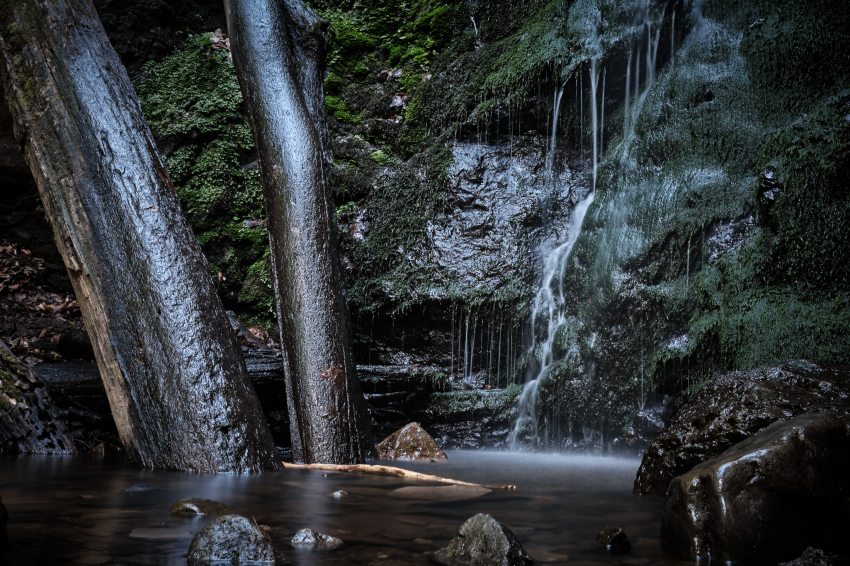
(392, 471)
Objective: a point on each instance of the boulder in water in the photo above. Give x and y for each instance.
(308, 539)
(483, 541)
(410, 443)
(734, 407)
(766, 498)
(231, 539)
(613, 539)
(192, 507)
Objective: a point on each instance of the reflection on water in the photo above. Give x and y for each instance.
(73, 510)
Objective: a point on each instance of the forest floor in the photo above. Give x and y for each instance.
(37, 321)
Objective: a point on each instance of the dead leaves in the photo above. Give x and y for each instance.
(33, 316)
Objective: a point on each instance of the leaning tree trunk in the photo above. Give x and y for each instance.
(279, 49)
(29, 423)
(171, 367)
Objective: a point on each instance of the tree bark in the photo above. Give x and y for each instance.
(278, 48)
(29, 422)
(171, 367)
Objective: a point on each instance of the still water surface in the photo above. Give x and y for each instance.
(82, 511)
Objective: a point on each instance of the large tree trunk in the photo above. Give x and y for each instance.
(279, 48)
(171, 367)
(29, 423)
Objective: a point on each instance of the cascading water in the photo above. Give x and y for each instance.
(549, 313)
(549, 307)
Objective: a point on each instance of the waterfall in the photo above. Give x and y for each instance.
(553, 135)
(626, 113)
(549, 307)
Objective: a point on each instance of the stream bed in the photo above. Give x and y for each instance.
(74, 510)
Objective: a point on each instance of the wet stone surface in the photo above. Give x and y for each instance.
(613, 539)
(734, 407)
(766, 498)
(231, 539)
(308, 539)
(411, 442)
(482, 540)
(192, 507)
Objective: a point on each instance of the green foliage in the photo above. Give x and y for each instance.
(193, 104)
(193, 92)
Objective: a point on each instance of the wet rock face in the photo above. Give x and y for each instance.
(31, 423)
(813, 557)
(734, 407)
(231, 539)
(766, 498)
(483, 541)
(410, 443)
(500, 204)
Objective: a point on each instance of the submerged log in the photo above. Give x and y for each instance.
(29, 423)
(279, 48)
(171, 368)
(393, 472)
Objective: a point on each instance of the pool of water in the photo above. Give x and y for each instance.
(86, 511)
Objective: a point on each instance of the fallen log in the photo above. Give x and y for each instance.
(392, 471)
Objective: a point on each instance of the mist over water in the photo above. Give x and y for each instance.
(76, 510)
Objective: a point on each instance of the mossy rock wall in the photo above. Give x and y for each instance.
(718, 239)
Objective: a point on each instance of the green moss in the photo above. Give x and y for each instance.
(193, 104)
(761, 84)
(337, 108)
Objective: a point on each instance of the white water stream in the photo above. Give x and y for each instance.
(549, 309)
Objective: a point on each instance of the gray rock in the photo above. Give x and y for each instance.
(308, 539)
(734, 407)
(483, 541)
(766, 498)
(613, 539)
(232, 539)
(502, 209)
(411, 442)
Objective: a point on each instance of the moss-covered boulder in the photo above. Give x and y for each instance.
(482, 540)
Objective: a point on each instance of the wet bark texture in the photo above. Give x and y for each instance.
(279, 50)
(29, 423)
(171, 368)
